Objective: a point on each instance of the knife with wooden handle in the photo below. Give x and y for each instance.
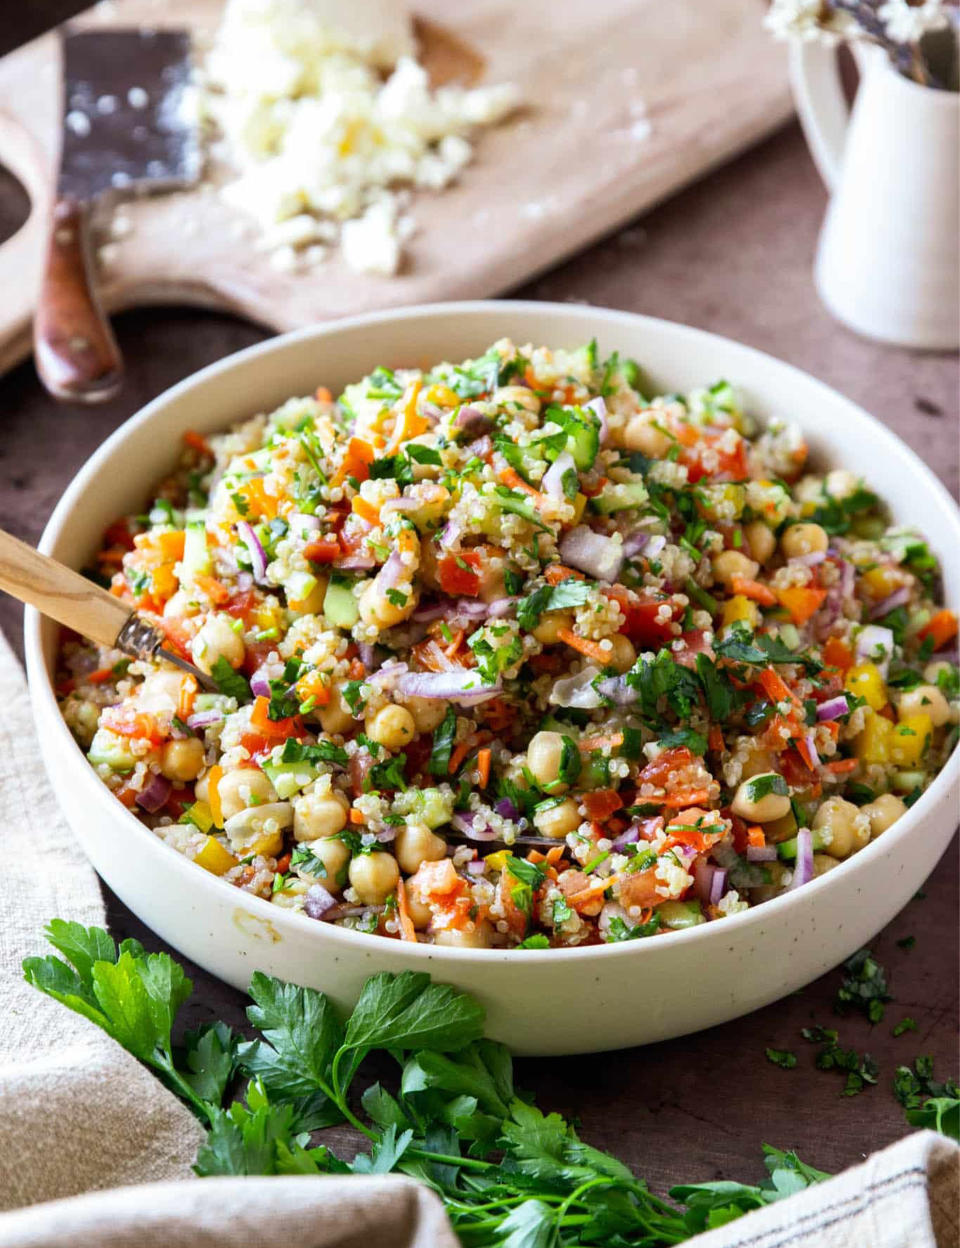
(72, 600)
(125, 131)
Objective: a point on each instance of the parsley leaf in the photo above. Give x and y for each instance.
(231, 683)
(443, 739)
(569, 593)
(782, 1058)
(864, 986)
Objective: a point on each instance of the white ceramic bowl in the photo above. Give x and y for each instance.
(553, 1001)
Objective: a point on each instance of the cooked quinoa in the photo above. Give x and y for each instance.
(518, 597)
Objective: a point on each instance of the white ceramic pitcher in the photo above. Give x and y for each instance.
(888, 261)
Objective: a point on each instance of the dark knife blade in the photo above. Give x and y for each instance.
(125, 117)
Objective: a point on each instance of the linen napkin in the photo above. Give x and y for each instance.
(80, 1119)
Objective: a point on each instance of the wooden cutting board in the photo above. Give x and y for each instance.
(573, 165)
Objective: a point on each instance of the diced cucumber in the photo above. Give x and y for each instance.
(679, 914)
(196, 556)
(583, 441)
(620, 497)
(108, 749)
(299, 586)
(788, 849)
(907, 781)
(339, 605)
(289, 778)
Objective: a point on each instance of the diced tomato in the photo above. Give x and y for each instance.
(118, 534)
(257, 652)
(323, 549)
(641, 610)
(837, 653)
(940, 629)
(731, 465)
(278, 729)
(663, 766)
(242, 604)
(126, 722)
(795, 771)
(460, 574)
(256, 744)
(178, 801)
(601, 804)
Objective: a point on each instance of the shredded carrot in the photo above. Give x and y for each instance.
(365, 509)
(323, 395)
(483, 767)
(776, 689)
(808, 756)
(512, 479)
(100, 676)
(464, 748)
(753, 589)
(409, 423)
(213, 795)
(356, 462)
(589, 744)
(407, 930)
(841, 766)
(592, 649)
(755, 837)
(715, 739)
(188, 694)
(356, 816)
(197, 442)
(215, 591)
(558, 572)
(455, 644)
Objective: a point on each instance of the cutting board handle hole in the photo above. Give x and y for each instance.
(16, 204)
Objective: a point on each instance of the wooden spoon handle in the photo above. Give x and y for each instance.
(77, 355)
(59, 592)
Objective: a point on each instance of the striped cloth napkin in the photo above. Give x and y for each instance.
(95, 1151)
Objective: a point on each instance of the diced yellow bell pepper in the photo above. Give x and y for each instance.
(738, 608)
(910, 739)
(270, 845)
(497, 861)
(865, 681)
(873, 744)
(578, 505)
(213, 857)
(881, 582)
(201, 816)
(441, 395)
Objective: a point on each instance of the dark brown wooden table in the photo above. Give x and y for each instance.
(731, 254)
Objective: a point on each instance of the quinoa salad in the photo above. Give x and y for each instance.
(518, 597)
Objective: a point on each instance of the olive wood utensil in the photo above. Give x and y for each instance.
(70, 599)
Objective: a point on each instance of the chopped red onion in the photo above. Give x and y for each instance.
(356, 562)
(452, 532)
(369, 657)
(718, 885)
(761, 853)
(345, 912)
(472, 422)
(387, 835)
(599, 556)
(431, 612)
(552, 482)
(304, 521)
(317, 902)
(899, 598)
(499, 607)
(812, 749)
(876, 644)
(833, 708)
(154, 794)
(703, 874)
(258, 557)
(810, 560)
(392, 571)
(599, 409)
(469, 607)
(260, 683)
(633, 543)
(477, 867)
(803, 871)
(481, 448)
(459, 685)
(204, 719)
(467, 824)
(630, 837)
(506, 808)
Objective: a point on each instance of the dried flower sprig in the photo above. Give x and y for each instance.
(898, 26)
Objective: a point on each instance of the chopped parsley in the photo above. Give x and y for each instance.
(569, 593)
(231, 683)
(864, 987)
(782, 1058)
(443, 738)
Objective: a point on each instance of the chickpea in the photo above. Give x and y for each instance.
(415, 845)
(550, 625)
(927, 698)
(623, 655)
(182, 760)
(392, 726)
(418, 910)
(335, 718)
(641, 434)
(259, 829)
(428, 713)
(803, 539)
(202, 788)
(731, 563)
(844, 829)
(755, 805)
(179, 605)
(373, 877)
(217, 640)
(318, 815)
(377, 609)
(557, 821)
(760, 540)
(518, 395)
(334, 854)
(883, 812)
(160, 691)
(243, 787)
(544, 756)
(822, 863)
(477, 937)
